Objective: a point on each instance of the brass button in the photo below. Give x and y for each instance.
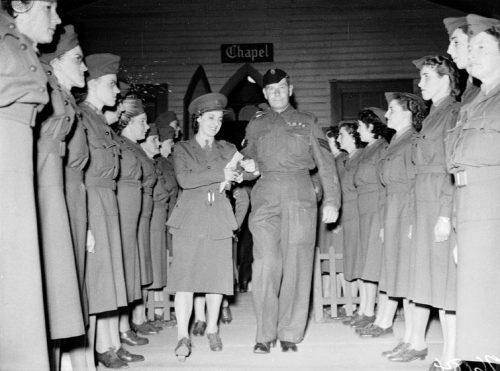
(107, 133)
(66, 102)
(209, 167)
(67, 118)
(41, 90)
(49, 73)
(24, 46)
(33, 68)
(12, 26)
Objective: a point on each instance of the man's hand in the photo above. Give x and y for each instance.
(330, 214)
(248, 165)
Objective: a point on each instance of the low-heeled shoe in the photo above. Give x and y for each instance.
(225, 315)
(110, 359)
(401, 347)
(409, 355)
(375, 331)
(126, 356)
(131, 338)
(183, 349)
(199, 328)
(215, 342)
(288, 346)
(264, 347)
(349, 321)
(144, 328)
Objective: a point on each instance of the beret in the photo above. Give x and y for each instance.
(207, 102)
(477, 24)
(102, 64)
(273, 76)
(452, 23)
(153, 129)
(379, 112)
(65, 40)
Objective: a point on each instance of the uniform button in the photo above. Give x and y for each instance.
(33, 68)
(49, 73)
(66, 102)
(12, 26)
(67, 118)
(24, 46)
(107, 133)
(41, 90)
(209, 167)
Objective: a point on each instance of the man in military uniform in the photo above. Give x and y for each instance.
(286, 144)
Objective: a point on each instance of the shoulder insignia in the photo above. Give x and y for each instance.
(324, 144)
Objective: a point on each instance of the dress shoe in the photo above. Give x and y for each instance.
(110, 359)
(126, 356)
(449, 366)
(143, 329)
(155, 325)
(408, 355)
(225, 315)
(375, 331)
(131, 338)
(183, 349)
(215, 342)
(199, 328)
(401, 347)
(288, 346)
(350, 320)
(243, 286)
(264, 347)
(363, 321)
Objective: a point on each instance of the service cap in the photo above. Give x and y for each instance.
(65, 40)
(452, 23)
(207, 102)
(477, 24)
(273, 76)
(153, 129)
(165, 131)
(102, 64)
(380, 113)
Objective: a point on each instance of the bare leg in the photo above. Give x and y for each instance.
(420, 318)
(213, 308)
(183, 310)
(370, 294)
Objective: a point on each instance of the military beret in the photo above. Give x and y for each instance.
(380, 113)
(273, 76)
(452, 23)
(153, 129)
(65, 40)
(207, 102)
(477, 24)
(102, 64)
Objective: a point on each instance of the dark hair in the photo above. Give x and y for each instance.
(415, 105)
(495, 33)
(194, 123)
(445, 66)
(351, 127)
(132, 107)
(6, 5)
(333, 132)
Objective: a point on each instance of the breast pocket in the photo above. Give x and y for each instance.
(104, 155)
(297, 144)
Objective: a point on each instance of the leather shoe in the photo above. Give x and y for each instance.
(126, 356)
(362, 321)
(408, 355)
(243, 286)
(264, 347)
(110, 359)
(288, 346)
(225, 315)
(402, 346)
(350, 320)
(144, 328)
(215, 342)
(131, 338)
(199, 328)
(183, 349)
(374, 331)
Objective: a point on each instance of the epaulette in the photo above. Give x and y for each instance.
(260, 114)
(7, 26)
(323, 143)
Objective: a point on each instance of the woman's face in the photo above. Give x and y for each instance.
(346, 140)
(40, 22)
(459, 48)
(210, 123)
(432, 85)
(484, 56)
(166, 147)
(106, 89)
(365, 132)
(152, 144)
(397, 117)
(138, 127)
(70, 68)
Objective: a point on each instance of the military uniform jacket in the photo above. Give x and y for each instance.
(292, 141)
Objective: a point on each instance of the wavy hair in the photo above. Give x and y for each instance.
(132, 107)
(380, 130)
(445, 67)
(351, 127)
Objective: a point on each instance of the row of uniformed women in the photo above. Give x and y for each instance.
(412, 257)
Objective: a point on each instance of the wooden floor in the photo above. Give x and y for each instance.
(327, 346)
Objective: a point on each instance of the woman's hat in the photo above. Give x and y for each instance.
(65, 40)
(102, 64)
(207, 102)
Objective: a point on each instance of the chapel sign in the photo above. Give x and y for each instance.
(247, 53)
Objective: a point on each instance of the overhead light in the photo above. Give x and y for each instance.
(250, 79)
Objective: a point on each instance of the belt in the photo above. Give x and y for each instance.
(427, 169)
(21, 112)
(398, 188)
(367, 189)
(100, 182)
(49, 145)
(73, 174)
(475, 175)
(130, 182)
(278, 175)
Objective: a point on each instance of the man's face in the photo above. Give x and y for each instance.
(278, 94)
(458, 48)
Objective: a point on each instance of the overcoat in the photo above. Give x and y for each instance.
(104, 276)
(167, 168)
(433, 275)
(203, 221)
(62, 291)
(370, 194)
(474, 159)
(23, 92)
(129, 197)
(397, 174)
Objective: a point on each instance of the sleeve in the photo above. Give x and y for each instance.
(242, 203)
(249, 149)
(411, 174)
(187, 178)
(327, 170)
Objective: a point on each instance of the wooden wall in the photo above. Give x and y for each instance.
(315, 41)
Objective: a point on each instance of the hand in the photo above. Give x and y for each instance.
(90, 242)
(381, 234)
(442, 229)
(248, 165)
(330, 214)
(230, 174)
(455, 254)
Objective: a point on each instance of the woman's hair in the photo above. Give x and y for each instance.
(132, 106)
(333, 132)
(495, 33)
(415, 105)
(194, 123)
(380, 130)
(444, 66)
(16, 6)
(351, 128)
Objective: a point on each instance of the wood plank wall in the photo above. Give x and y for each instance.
(315, 41)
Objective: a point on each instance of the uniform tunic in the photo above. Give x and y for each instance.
(158, 227)
(22, 92)
(149, 180)
(203, 221)
(60, 275)
(167, 168)
(474, 158)
(350, 218)
(129, 197)
(397, 174)
(433, 276)
(286, 146)
(104, 276)
(370, 191)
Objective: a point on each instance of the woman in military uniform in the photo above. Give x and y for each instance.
(23, 93)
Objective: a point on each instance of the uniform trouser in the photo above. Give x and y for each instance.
(245, 255)
(23, 342)
(283, 225)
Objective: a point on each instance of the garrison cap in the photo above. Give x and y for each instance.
(165, 131)
(273, 76)
(477, 24)
(153, 129)
(65, 40)
(452, 23)
(208, 102)
(379, 112)
(102, 64)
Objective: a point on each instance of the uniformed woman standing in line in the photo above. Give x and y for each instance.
(433, 275)
(474, 159)
(351, 143)
(203, 221)
(23, 93)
